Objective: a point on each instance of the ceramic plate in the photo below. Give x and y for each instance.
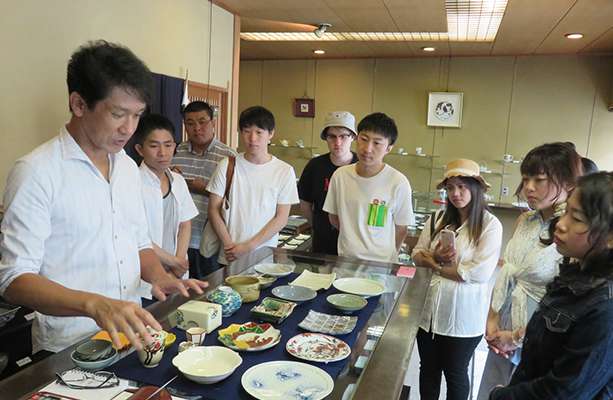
(274, 269)
(274, 310)
(359, 286)
(249, 336)
(326, 323)
(347, 302)
(282, 380)
(317, 347)
(294, 293)
(313, 280)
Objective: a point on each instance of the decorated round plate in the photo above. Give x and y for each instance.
(280, 380)
(274, 269)
(294, 293)
(317, 347)
(249, 336)
(359, 286)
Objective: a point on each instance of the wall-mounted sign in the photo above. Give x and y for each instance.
(304, 108)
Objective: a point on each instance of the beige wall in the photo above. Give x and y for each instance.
(37, 39)
(511, 104)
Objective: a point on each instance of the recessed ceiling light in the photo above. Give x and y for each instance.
(574, 35)
(428, 49)
(319, 51)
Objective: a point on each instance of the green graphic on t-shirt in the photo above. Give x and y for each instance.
(377, 213)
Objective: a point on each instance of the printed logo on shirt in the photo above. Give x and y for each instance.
(326, 184)
(377, 213)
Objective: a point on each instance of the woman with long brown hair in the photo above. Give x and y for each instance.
(461, 245)
(549, 173)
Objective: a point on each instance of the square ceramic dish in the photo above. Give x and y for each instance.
(313, 280)
(273, 310)
(326, 323)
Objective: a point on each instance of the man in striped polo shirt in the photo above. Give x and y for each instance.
(197, 159)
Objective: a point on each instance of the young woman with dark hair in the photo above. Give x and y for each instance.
(461, 245)
(568, 347)
(549, 173)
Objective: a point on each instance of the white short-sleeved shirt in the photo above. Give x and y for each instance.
(164, 223)
(256, 191)
(368, 210)
(459, 309)
(63, 220)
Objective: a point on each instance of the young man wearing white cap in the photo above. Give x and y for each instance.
(370, 202)
(339, 133)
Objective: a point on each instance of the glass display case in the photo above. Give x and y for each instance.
(379, 356)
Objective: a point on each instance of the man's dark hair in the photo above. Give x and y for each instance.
(589, 166)
(97, 67)
(197, 106)
(379, 123)
(149, 123)
(258, 116)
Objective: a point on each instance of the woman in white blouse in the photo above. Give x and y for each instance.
(457, 304)
(531, 260)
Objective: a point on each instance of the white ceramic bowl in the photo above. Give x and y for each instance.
(207, 364)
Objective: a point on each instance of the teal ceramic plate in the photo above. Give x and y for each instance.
(347, 302)
(294, 293)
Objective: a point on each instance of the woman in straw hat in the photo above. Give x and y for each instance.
(461, 245)
(549, 173)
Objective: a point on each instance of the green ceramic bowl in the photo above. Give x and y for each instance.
(347, 302)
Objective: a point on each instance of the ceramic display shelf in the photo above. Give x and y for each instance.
(407, 154)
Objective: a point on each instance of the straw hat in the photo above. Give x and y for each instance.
(463, 167)
(343, 119)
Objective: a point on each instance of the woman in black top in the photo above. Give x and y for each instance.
(568, 347)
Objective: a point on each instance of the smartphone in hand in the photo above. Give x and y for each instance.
(447, 239)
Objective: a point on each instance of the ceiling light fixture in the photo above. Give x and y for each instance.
(575, 35)
(319, 51)
(319, 32)
(428, 49)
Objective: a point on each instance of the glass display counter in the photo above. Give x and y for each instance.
(379, 357)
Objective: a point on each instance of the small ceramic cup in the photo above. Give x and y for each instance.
(185, 346)
(195, 335)
(507, 157)
(400, 150)
(151, 355)
(419, 151)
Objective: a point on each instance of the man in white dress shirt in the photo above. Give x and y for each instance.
(75, 241)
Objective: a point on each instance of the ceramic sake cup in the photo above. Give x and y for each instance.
(151, 355)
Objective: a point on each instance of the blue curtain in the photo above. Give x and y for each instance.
(166, 100)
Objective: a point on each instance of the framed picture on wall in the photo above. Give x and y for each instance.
(304, 108)
(445, 109)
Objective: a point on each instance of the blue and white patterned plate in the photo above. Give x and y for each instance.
(285, 380)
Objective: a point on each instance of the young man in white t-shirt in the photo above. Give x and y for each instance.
(370, 202)
(168, 204)
(262, 191)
